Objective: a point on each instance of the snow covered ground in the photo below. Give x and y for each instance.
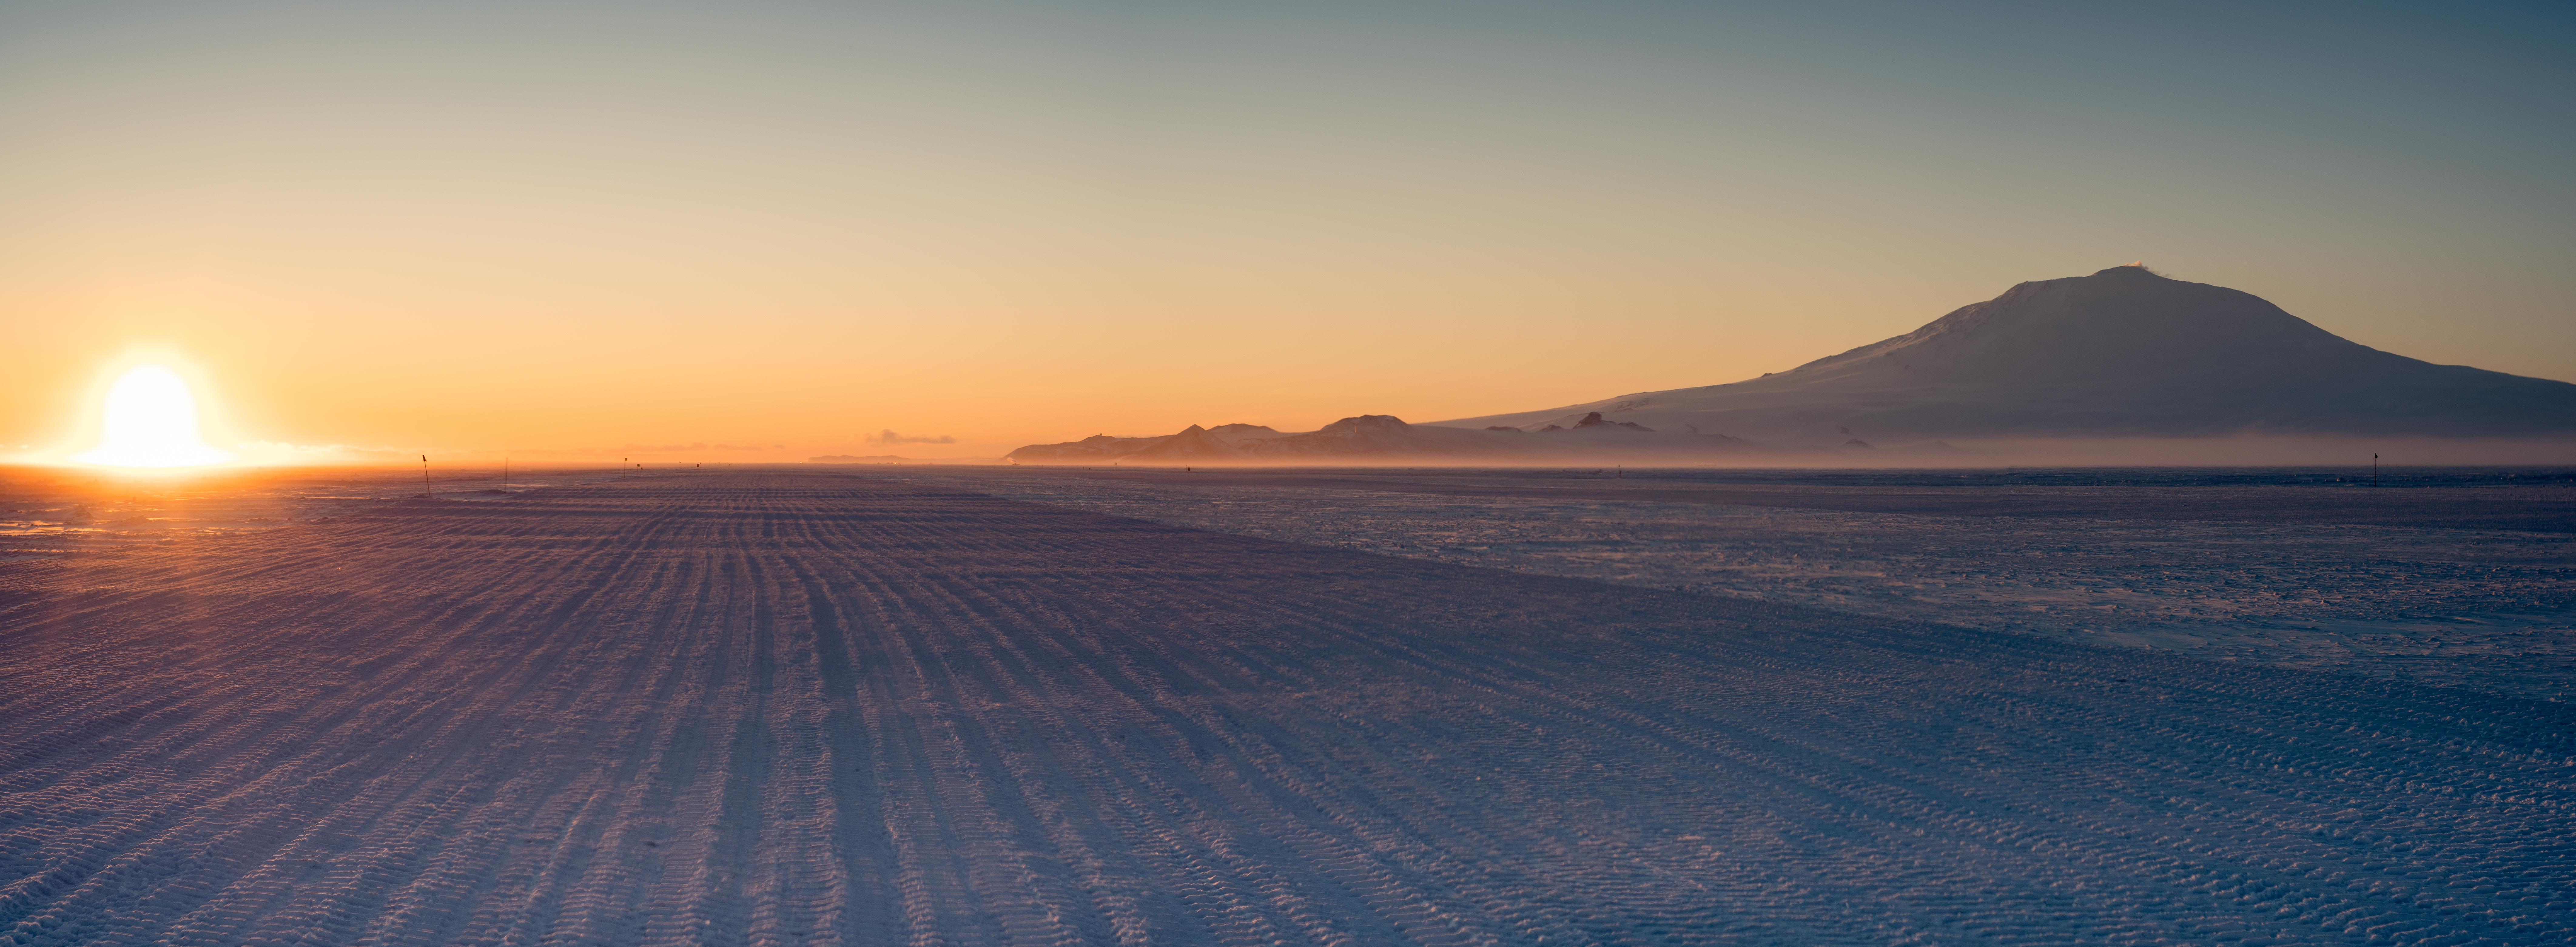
(827, 707)
(2486, 607)
(53, 512)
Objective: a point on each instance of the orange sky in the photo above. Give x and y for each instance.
(784, 229)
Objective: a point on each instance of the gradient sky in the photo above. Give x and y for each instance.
(472, 227)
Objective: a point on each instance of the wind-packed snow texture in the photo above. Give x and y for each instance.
(2487, 606)
(789, 708)
(46, 514)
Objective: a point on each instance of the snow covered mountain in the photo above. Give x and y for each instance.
(2122, 352)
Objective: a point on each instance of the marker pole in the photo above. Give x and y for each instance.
(424, 478)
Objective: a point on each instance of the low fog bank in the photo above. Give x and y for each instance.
(2237, 451)
(2255, 451)
(1595, 439)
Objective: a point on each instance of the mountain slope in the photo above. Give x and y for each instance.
(2121, 352)
(1383, 439)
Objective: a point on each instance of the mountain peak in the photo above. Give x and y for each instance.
(2125, 351)
(2130, 269)
(1368, 424)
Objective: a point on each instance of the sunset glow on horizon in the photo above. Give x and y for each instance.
(772, 231)
(149, 419)
(1324, 472)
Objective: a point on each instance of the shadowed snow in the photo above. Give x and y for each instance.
(835, 708)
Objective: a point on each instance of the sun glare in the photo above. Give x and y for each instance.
(150, 420)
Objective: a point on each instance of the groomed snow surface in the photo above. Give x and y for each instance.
(793, 707)
(2471, 586)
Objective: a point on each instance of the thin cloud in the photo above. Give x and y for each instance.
(890, 437)
(695, 448)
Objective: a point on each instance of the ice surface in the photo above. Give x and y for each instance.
(790, 708)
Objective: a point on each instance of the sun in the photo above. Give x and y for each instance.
(150, 420)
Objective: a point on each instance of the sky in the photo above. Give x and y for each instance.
(762, 231)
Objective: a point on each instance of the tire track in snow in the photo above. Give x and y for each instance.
(791, 708)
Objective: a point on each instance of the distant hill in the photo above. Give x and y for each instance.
(892, 459)
(2123, 352)
(1380, 438)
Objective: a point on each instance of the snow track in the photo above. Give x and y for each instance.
(791, 708)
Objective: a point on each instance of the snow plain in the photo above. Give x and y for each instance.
(2458, 597)
(812, 707)
(49, 513)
